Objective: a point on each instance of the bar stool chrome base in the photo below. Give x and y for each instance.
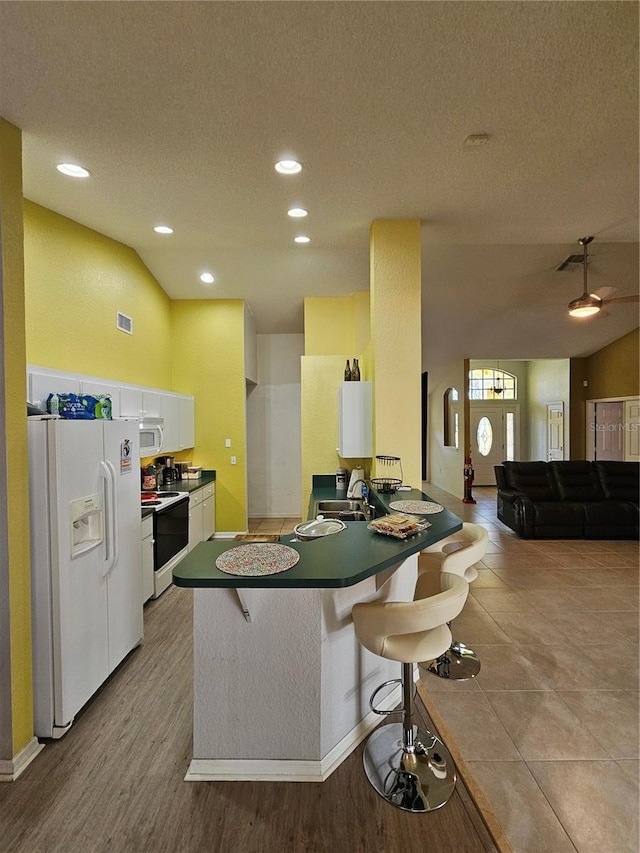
(418, 778)
(458, 663)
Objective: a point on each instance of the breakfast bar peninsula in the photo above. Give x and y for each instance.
(281, 684)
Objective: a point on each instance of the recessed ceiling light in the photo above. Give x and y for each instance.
(163, 229)
(297, 212)
(207, 278)
(73, 170)
(288, 167)
(302, 238)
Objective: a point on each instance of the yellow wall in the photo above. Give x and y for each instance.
(12, 388)
(395, 269)
(336, 325)
(76, 281)
(208, 361)
(614, 371)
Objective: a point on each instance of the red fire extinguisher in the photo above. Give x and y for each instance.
(468, 481)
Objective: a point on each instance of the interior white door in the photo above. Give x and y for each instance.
(555, 432)
(79, 595)
(632, 430)
(609, 431)
(487, 441)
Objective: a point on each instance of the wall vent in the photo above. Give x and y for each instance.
(124, 323)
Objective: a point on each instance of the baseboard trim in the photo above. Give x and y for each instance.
(11, 769)
(281, 770)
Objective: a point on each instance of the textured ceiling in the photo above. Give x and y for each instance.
(180, 110)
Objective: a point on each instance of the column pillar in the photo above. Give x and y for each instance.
(17, 744)
(396, 334)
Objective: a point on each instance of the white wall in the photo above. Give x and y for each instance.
(548, 382)
(273, 429)
(445, 464)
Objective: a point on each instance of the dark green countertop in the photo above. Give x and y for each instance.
(340, 560)
(183, 486)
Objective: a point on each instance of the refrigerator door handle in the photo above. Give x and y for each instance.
(113, 511)
(110, 557)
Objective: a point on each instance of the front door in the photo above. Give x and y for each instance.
(555, 432)
(487, 441)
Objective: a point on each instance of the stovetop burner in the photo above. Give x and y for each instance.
(160, 499)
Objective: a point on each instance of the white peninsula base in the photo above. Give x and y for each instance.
(285, 697)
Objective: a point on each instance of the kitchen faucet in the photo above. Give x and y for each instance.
(352, 488)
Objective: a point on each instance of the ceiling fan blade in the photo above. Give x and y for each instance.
(635, 298)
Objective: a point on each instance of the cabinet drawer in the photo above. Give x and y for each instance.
(196, 498)
(207, 491)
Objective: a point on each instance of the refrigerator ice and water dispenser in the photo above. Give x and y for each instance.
(87, 526)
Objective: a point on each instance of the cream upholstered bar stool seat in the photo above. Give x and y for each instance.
(408, 766)
(455, 555)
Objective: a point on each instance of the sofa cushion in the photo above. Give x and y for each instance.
(577, 481)
(558, 518)
(533, 479)
(620, 480)
(610, 519)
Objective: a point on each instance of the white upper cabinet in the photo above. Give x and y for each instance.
(140, 403)
(171, 425)
(94, 386)
(179, 428)
(127, 401)
(43, 382)
(187, 422)
(355, 420)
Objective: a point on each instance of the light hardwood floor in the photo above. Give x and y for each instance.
(114, 783)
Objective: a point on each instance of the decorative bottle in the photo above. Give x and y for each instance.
(348, 376)
(355, 371)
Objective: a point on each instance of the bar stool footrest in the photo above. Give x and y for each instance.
(375, 693)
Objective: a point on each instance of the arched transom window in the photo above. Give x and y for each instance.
(490, 383)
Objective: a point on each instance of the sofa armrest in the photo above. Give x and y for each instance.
(515, 510)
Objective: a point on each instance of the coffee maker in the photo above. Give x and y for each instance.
(169, 471)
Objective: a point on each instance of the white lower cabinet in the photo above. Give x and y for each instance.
(146, 545)
(195, 518)
(201, 515)
(208, 507)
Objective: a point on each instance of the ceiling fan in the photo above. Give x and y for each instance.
(590, 303)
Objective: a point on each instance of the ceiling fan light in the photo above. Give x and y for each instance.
(585, 306)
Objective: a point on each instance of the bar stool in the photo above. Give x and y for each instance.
(456, 555)
(410, 767)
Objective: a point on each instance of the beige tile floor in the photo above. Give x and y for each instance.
(549, 728)
(548, 731)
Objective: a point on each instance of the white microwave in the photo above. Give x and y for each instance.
(151, 436)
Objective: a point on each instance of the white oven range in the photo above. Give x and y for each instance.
(170, 533)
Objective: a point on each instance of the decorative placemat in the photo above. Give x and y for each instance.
(416, 507)
(257, 559)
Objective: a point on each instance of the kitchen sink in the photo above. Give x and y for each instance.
(343, 514)
(346, 510)
(338, 505)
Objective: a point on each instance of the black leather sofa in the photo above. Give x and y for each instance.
(569, 500)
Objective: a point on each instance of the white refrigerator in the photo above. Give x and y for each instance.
(86, 576)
